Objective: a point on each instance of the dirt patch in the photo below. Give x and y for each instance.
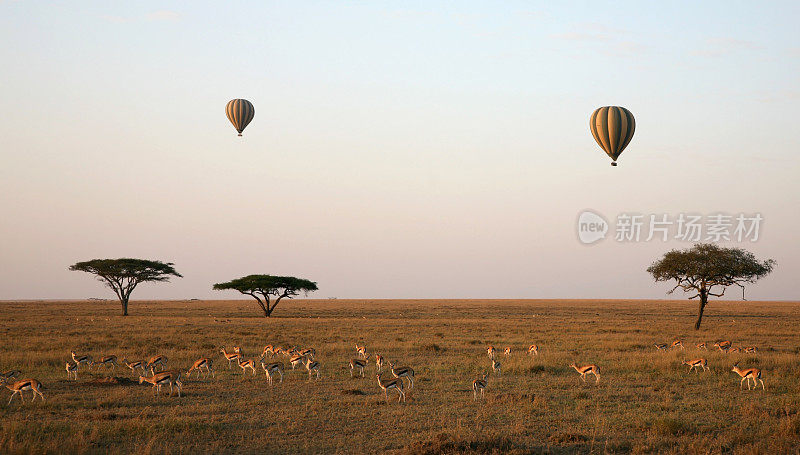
(109, 381)
(353, 392)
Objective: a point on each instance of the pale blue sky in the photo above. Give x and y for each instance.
(429, 149)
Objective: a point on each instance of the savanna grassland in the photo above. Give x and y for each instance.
(645, 401)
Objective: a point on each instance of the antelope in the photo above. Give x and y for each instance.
(135, 365)
(403, 372)
(357, 363)
(230, 357)
(507, 352)
(238, 350)
(394, 383)
(312, 366)
(533, 350)
(749, 374)
(676, 344)
(105, 361)
(309, 352)
(247, 364)
(362, 351)
(9, 375)
(584, 370)
(723, 346)
(750, 349)
(25, 384)
(702, 346)
(271, 368)
(159, 360)
(81, 359)
(696, 363)
(200, 365)
(490, 351)
(158, 380)
(72, 369)
(379, 363)
(479, 385)
(734, 350)
(277, 350)
(496, 367)
(268, 350)
(660, 346)
(296, 360)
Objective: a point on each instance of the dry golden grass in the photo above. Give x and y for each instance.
(645, 401)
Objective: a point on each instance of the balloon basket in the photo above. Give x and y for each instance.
(613, 163)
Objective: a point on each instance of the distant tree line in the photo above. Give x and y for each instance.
(705, 269)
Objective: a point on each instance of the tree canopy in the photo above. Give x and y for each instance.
(264, 287)
(124, 274)
(708, 270)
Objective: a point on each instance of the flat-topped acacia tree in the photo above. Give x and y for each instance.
(708, 270)
(124, 274)
(264, 287)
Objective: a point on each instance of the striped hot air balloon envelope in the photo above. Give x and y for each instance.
(612, 128)
(240, 112)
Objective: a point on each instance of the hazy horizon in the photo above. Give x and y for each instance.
(426, 150)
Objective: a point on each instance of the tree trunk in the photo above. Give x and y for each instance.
(702, 306)
(124, 307)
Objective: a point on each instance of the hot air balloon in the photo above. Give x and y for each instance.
(240, 113)
(612, 128)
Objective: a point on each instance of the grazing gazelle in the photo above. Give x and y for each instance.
(748, 374)
(491, 351)
(309, 352)
(313, 367)
(507, 352)
(696, 363)
(676, 344)
(230, 357)
(277, 350)
(496, 367)
(723, 346)
(296, 360)
(361, 351)
(533, 350)
(586, 369)
(247, 364)
(388, 384)
(270, 369)
(173, 378)
(81, 359)
(359, 364)
(403, 372)
(379, 363)
(479, 385)
(734, 350)
(750, 350)
(268, 351)
(72, 370)
(159, 360)
(106, 361)
(136, 364)
(9, 375)
(660, 346)
(25, 384)
(204, 364)
(238, 350)
(702, 346)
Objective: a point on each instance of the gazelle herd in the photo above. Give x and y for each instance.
(160, 376)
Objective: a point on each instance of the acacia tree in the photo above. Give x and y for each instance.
(708, 270)
(123, 275)
(264, 287)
